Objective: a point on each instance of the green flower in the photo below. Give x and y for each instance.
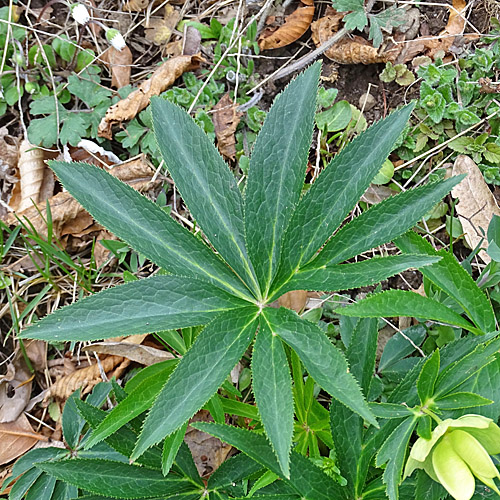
(457, 453)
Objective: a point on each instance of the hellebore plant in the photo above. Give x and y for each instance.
(255, 247)
(458, 451)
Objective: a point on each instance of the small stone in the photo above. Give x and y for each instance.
(367, 101)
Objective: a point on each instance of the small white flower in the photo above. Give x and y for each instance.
(115, 38)
(80, 13)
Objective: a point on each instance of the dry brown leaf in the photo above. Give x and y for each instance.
(375, 194)
(142, 354)
(476, 203)
(136, 101)
(69, 217)
(226, 119)
(349, 50)
(135, 5)
(208, 452)
(17, 438)
(120, 63)
(15, 389)
(85, 379)
(192, 41)
(9, 146)
(296, 24)
(455, 26)
(31, 170)
(295, 300)
(159, 30)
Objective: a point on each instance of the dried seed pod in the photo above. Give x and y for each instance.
(31, 170)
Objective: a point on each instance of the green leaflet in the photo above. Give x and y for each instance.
(428, 376)
(144, 306)
(277, 170)
(171, 447)
(272, 386)
(402, 303)
(123, 440)
(305, 477)
(383, 222)
(64, 491)
(43, 487)
(324, 362)
(137, 402)
(460, 400)
(454, 280)
(144, 225)
(355, 275)
(198, 375)
(337, 190)
(115, 478)
(205, 182)
(393, 451)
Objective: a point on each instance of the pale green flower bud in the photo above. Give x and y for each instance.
(115, 38)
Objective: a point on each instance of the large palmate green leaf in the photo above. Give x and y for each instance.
(144, 306)
(277, 170)
(144, 225)
(324, 362)
(402, 303)
(454, 280)
(106, 477)
(383, 222)
(348, 276)
(337, 190)
(199, 374)
(306, 478)
(272, 386)
(205, 182)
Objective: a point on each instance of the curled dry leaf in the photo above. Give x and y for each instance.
(120, 64)
(131, 349)
(85, 379)
(136, 101)
(476, 203)
(69, 217)
(17, 438)
(159, 30)
(296, 24)
(31, 170)
(208, 452)
(226, 119)
(349, 50)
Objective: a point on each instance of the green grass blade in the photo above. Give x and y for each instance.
(337, 190)
(383, 222)
(305, 477)
(272, 386)
(198, 375)
(347, 276)
(205, 182)
(454, 280)
(324, 362)
(118, 479)
(144, 306)
(144, 225)
(402, 303)
(277, 170)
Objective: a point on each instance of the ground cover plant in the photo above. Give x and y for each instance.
(379, 382)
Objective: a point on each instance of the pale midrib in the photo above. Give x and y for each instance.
(155, 237)
(220, 213)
